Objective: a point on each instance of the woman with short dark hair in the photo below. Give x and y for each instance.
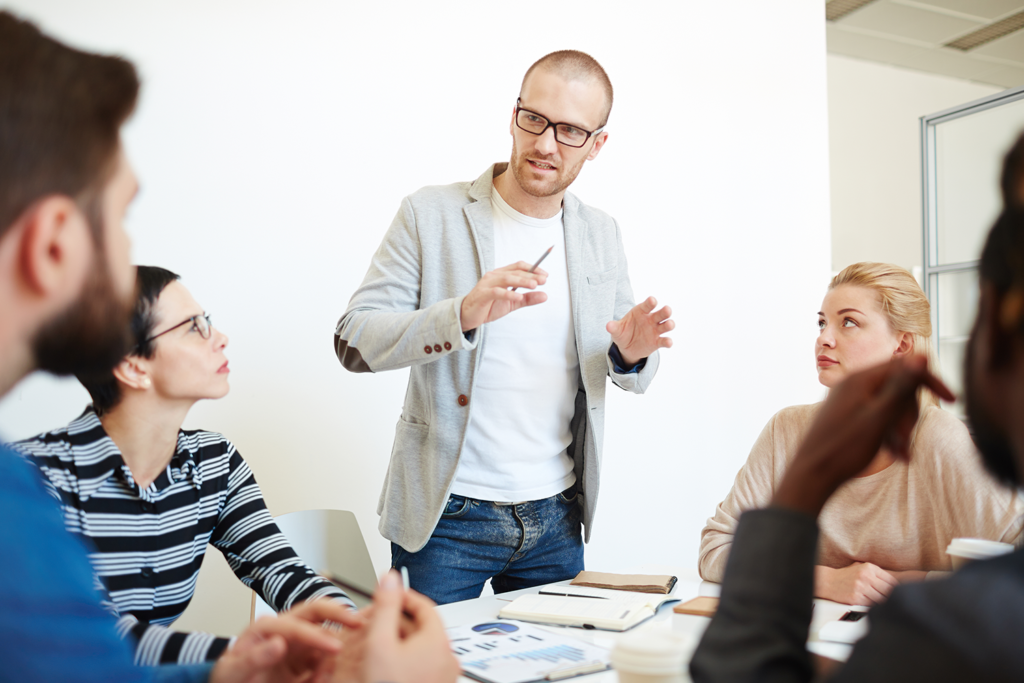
(149, 495)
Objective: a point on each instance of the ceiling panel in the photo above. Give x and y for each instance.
(986, 9)
(1007, 47)
(909, 22)
(1002, 75)
(943, 61)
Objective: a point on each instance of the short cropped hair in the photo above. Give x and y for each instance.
(61, 112)
(573, 65)
(150, 282)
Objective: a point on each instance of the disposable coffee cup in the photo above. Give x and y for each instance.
(647, 657)
(965, 550)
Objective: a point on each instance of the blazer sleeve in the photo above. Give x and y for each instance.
(384, 327)
(635, 382)
(751, 490)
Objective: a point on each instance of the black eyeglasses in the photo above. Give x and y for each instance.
(201, 323)
(565, 133)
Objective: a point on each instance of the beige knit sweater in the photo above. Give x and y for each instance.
(900, 518)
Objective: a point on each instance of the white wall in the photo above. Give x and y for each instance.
(275, 141)
(875, 156)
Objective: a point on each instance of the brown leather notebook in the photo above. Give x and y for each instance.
(638, 583)
(701, 607)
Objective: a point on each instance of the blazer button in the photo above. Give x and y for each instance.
(463, 400)
(447, 346)
(437, 347)
(427, 349)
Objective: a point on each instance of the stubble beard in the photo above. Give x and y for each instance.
(521, 169)
(91, 336)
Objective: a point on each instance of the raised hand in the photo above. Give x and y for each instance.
(492, 297)
(870, 409)
(638, 333)
(291, 647)
(862, 583)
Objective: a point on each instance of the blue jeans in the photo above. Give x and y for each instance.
(516, 546)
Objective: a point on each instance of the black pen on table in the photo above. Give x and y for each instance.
(542, 257)
(362, 592)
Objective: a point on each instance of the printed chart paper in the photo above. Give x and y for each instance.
(514, 652)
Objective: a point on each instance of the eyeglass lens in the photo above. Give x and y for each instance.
(564, 133)
(203, 325)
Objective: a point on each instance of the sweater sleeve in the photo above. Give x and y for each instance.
(752, 490)
(256, 550)
(976, 505)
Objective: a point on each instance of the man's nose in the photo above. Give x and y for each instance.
(547, 143)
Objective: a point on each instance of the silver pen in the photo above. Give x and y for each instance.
(542, 257)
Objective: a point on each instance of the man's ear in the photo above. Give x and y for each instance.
(905, 347)
(598, 144)
(133, 372)
(56, 245)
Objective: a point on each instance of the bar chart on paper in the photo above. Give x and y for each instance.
(509, 652)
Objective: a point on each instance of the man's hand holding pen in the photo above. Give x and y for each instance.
(638, 333)
(492, 297)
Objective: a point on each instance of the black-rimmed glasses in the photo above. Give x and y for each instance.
(200, 322)
(565, 133)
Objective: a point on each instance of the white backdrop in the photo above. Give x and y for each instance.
(275, 140)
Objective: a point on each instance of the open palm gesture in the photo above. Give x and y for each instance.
(639, 333)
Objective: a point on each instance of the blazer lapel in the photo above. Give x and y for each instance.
(575, 233)
(481, 222)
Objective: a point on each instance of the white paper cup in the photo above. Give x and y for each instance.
(647, 657)
(965, 550)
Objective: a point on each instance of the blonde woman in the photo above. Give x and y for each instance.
(893, 522)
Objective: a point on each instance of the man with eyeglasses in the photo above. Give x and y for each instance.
(497, 453)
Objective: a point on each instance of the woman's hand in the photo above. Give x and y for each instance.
(862, 583)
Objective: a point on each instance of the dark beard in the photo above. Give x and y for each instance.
(91, 336)
(993, 444)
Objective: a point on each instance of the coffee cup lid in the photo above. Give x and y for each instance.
(977, 548)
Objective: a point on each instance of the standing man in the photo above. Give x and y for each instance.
(497, 453)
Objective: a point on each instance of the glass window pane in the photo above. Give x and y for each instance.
(968, 156)
(954, 298)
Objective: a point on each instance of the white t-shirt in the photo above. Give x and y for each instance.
(525, 389)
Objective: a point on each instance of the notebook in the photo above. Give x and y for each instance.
(637, 583)
(590, 608)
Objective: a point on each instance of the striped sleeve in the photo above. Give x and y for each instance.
(257, 551)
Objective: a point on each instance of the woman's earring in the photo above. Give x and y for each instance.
(146, 382)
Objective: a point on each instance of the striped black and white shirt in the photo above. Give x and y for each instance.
(149, 543)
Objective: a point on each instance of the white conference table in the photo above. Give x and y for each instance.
(486, 608)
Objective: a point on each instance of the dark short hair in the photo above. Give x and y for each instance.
(150, 282)
(61, 112)
(1002, 259)
(573, 65)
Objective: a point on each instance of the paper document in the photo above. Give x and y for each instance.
(509, 652)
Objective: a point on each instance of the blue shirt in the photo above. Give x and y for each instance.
(52, 627)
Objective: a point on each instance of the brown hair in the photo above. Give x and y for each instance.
(903, 302)
(573, 65)
(61, 111)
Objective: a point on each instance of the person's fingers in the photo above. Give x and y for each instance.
(502, 294)
(647, 305)
(265, 654)
(887, 578)
(663, 314)
(664, 342)
(319, 611)
(534, 298)
(872, 596)
(297, 632)
(518, 265)
(387, 604)
(613, 327)
(513, 279)
(666, 326)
